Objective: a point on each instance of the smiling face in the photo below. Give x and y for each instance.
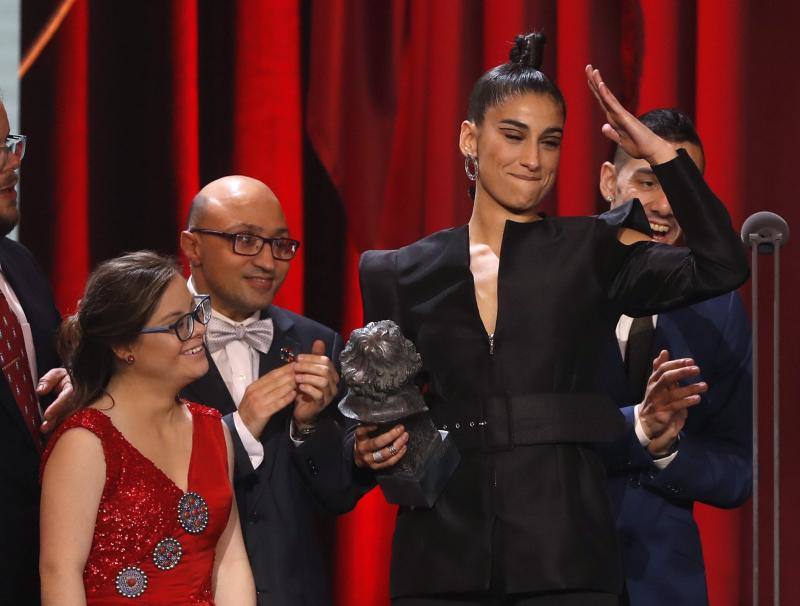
(163, 355)
(631, 178)
(239, 285)
(9, 163)
(517, 145)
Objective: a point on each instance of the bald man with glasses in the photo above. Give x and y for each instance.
(274, 374)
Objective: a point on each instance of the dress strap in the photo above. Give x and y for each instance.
(96, 422)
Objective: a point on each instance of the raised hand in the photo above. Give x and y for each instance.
(317, 384)
(623, 128)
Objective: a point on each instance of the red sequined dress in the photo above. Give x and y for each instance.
(152, 542)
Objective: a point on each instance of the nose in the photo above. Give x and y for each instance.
(10, 161)
(530, 156)
(199, 329)
(264, 258)
(659, 205)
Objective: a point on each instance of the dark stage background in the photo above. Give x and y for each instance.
(350, 111)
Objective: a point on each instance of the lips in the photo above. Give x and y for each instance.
(526, 177)
(197, 349)
(261, 282)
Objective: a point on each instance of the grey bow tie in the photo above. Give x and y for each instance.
(257, 335)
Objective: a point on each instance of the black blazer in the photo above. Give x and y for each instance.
(527, 508)
(278, 501)
(19, 460)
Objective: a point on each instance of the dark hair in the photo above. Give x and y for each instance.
(670, 124)
(519, 76)
(121, 295)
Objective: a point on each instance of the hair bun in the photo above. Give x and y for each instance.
(527, 50)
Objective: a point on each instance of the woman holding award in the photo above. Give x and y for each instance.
(507, 313)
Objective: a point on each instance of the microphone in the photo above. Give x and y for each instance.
(766, 230)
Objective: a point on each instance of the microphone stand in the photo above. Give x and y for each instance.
(765, 233)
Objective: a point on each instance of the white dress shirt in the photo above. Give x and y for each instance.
(623, 332)
(16, 307)
(237, 363)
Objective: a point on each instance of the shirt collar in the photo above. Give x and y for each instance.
(253, 318)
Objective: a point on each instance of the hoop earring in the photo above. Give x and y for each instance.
(471, 167)
(130, 360)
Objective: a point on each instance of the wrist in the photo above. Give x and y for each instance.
(662, 155)
(300, 432)
(668, 450)
(254, 425)
(302, 422)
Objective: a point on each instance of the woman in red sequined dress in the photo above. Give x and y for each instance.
(136, 491)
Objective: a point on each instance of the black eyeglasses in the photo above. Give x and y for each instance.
(184, 326)
(249, 245)
(13, 145)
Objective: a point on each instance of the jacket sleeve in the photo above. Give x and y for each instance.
(714, 462)
(325, 459)
(647, 278)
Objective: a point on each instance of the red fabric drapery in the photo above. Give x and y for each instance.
(369, 95)
(267, 123)
(70, 140)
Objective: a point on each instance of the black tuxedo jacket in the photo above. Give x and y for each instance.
(278, 501)
(19, 460)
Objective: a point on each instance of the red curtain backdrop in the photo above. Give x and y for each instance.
(350, 111)
(70, 143)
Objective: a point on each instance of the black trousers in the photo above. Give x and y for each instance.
(553, 599)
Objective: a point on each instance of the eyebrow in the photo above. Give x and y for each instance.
(173, 315)
(237, 227)
(645, 171)
(553, 130)
(255, 229)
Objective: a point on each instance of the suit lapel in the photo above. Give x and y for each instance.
(275, 433)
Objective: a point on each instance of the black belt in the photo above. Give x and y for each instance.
(548, 418)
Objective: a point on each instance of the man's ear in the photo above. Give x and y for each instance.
(608, 183)
(468, 139)
(190, 246)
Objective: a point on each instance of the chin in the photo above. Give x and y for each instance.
(202, 367)
(522, 207)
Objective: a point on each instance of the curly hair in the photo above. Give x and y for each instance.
(378, 360)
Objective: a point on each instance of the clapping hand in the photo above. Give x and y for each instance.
(666, 402)
(317, 384)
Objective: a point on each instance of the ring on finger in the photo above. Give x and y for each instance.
(392, 450)
(377, 456)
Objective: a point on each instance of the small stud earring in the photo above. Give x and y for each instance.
(130, 359)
